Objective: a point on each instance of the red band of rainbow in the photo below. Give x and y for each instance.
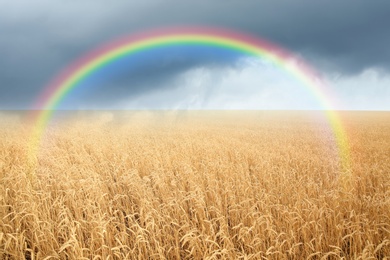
(62, 85)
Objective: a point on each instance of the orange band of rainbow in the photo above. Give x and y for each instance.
(62, 86)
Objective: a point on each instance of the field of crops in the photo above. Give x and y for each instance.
(195, 185)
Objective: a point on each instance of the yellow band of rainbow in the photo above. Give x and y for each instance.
(69, 79)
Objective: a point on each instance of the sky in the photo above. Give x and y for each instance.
(346, 42)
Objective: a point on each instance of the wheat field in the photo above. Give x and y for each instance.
(195, 185)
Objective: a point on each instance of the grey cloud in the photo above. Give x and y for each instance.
(39, 38)
(352, 34)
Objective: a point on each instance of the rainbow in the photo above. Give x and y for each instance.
(70, 78)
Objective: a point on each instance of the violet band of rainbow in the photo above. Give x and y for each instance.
(69, 79)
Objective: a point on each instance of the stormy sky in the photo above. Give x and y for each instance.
(347, 42)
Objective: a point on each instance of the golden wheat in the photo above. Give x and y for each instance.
(195, 185)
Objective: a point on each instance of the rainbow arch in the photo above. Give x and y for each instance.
(62, 85)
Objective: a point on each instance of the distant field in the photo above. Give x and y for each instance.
(195, 185)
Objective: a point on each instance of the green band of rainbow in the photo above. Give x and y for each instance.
(76, 73)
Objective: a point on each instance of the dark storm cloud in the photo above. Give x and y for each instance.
(351, 35)
(38, 39)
